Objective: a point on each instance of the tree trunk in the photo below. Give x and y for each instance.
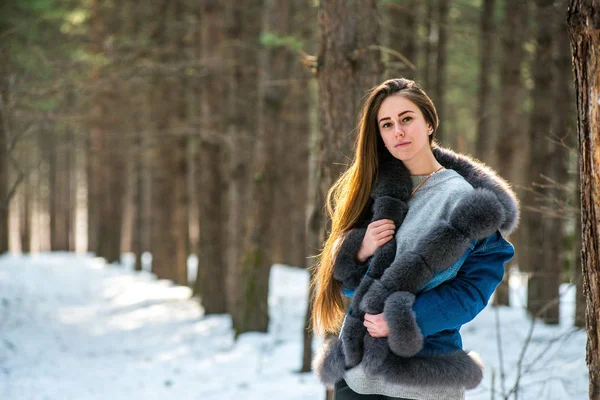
(138, 227)
(580, 296)
(256, 257)
(59, 191)
(4, 177)
(401, 26)
(510, 143)
(290, 176)
(441, 134)
(347, 68)
(243, 32)
(25, 216)
(584, 34)
(544, 279)
(107, 169)
(429, 56)
(169, 207)
(210, 184)
(563, 129)
(314, 218)
(486, 47)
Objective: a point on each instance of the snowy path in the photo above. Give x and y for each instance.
(73, 328)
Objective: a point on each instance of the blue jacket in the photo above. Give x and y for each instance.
(456, 295)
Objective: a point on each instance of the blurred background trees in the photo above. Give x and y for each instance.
(214, 128)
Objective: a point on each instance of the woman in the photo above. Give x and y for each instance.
(416, 242)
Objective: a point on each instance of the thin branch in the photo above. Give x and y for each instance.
(528, 339)
(500, 355)
(356, 54)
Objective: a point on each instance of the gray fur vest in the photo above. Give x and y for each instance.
(390, 285)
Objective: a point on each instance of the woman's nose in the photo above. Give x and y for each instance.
(398, 130)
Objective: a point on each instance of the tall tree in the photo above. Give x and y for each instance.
(25, 216)
(443, 10)
(580, 298)
(584, 34)
(244, 25)
(508, 145)
(401, 26)
(544, 268)
(563, 129)
(4, 181)
(486, 46)
(209, 161)
(256, 252)
(169, 205)
(62, 209)
(106, 177)
(429, 55)
(346, 69)
(292, 37)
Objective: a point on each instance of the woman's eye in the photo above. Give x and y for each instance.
(407, 118)
(387, 124)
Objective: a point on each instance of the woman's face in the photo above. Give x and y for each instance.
(403, 128)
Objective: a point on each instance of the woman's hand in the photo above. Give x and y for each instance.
(378, 233)
(376, 325)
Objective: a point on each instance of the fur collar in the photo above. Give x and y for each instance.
(479, 175)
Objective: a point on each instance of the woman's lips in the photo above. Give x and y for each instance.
(402, 144)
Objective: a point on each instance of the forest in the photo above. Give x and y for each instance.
(199, 138)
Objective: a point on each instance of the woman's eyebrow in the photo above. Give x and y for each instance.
(401, 114)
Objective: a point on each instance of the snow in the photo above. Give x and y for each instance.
(72, 327)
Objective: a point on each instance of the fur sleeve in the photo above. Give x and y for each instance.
(346, 267)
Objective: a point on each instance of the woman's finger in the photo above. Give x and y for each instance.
(386, 233)
(373, 333)
(380, 222)
(384, 240)
(384, 227)
(369, 324)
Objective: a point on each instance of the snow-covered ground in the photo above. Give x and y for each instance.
(72, 327)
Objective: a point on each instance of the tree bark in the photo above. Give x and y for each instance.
(580, 296)
(583, 18)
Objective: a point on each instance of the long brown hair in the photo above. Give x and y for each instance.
(349, 195)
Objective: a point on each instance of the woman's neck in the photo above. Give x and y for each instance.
(424, 165)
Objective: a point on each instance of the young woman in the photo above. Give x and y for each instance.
(416, 242)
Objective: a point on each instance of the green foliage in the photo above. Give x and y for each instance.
(273, 39)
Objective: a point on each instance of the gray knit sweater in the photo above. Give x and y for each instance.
(433, 201)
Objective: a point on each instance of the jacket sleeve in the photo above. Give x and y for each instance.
(457, 301)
